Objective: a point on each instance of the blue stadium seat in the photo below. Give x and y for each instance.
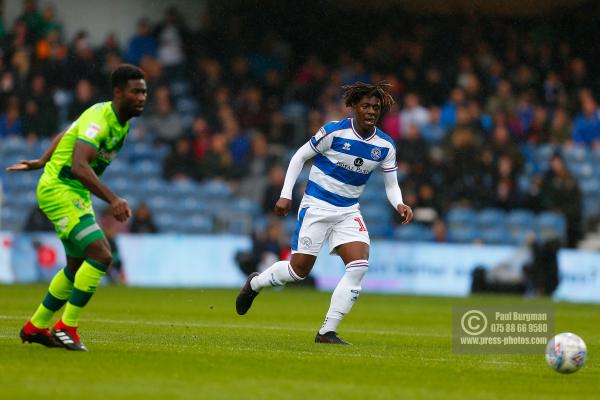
(495, 235)
(590, 186)
(551, 225)
(197, 224)
(186, 105)
(372, 196)
(582, 170)
(576, 154)
(158, 203)
(14, 218)
(183, 188)
(215, 190)
(520, 223)
(146, 168)
(152, 186)
(461, 218)
(289, 225)
(591, 207)
(491, 217)
(179, 88)
(244, 205)
(463, 234)
(166, 221)
(544, 152)
(380, 229)
(413, 232)
(238, 223)
(375, 213)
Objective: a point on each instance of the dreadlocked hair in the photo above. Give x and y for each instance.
(353, 93)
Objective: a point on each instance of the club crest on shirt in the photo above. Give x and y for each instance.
(305, 242)
(78, 203)
(376, 153)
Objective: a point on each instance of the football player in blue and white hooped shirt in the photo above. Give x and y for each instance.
(345, 154)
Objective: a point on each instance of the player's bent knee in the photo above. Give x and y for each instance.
(100, 251)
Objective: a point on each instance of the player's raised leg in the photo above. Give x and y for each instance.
(355, 256)
(89, 237)
(278, 274)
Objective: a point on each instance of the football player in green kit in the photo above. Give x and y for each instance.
(72, 166)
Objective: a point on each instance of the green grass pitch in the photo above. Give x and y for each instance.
(190, 344)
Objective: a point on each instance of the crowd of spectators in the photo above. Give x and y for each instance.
(470, 97)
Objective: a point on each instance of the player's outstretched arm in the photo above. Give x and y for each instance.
(83, 155)
(394, 195)
(304, 153)
(30, 165)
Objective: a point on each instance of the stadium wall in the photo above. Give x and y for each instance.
(171, 260)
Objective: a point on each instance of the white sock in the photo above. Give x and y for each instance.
(277, 274)
(345, 294)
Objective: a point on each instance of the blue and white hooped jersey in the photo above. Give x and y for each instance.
(344, 163)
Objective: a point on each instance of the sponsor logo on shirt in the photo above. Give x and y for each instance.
(353, 169)
(92, 131)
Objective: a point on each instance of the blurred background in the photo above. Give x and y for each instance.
(496, 124)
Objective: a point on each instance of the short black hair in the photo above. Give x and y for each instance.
(123, 73)
(353, 93)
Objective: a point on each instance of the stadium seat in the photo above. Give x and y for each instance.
(238, 223)
(491, 217)
(582, 170)
(544, 152)
(412, 232)
(147, 168)
(159, 204)
(244, 205)
(289, 225)
(196, 224)
(179, 88)
(461, 218)
(551, 225)
(166, 221)
(374, 213)
(463, 234)
(186, 105)
(520, 223)
(589, 186)
(495, 235)
(215, 190)
(576, 154)
(380, 229)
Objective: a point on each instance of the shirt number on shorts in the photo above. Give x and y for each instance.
(361, 225)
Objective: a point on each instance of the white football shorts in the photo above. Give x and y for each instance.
(315, 225)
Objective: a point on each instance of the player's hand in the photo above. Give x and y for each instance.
(406, 213)
(282, 207)
(26, 165)
(120, 209)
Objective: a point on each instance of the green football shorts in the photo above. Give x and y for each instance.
(71, 212)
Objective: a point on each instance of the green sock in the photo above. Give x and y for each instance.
(58, 293)
(86, 281)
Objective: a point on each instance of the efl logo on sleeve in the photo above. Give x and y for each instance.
(320, 135)
(92, 131)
